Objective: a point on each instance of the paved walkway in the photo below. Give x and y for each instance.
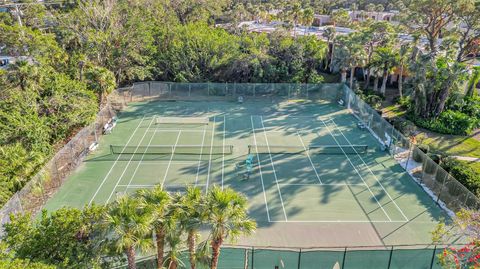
(469, 159)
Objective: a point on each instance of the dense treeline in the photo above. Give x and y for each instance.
(75, 55)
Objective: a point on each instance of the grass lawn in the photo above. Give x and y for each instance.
(452, 144)
(440, 143)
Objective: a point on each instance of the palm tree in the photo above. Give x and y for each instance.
(307, 18)
(191, 217)
(227, 217)
(158, 203)
(129, 224)
(174, 240)
(173, 234)
(402, 59)
(295, 13)
(349, 55)
(330, 34)
(385, 59)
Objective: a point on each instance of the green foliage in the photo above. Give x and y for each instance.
(449, 122)
(463, 173)
(67, 238)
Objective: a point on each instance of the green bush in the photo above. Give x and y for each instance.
(449, 122)
(463, 173)
(405, 102)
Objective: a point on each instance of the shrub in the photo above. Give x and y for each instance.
(463, 173)
(405, 102)
(449, 122)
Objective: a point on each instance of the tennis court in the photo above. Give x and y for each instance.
(314, 179)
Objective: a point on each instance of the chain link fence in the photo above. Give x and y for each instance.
(144, 91)
(43, 185)
(441, 186)
(373, 257)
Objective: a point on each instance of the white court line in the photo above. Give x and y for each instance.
(358, 173)
(175, 130)
(323, 184)
(342, 221)
(171, 158)
(371, 172)
(310, 159)
(201, 151)
(260, 168)
(128, 164)
(140, 162)
(153, 185)
(274, 171)
(211, 149)
(223, 157)
(114, 164)
(156, 162)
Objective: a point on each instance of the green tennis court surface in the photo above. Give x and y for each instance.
(316, 179)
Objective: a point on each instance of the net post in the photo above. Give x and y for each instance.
(390, 258)
(299, 257)
(433, 256)
(254, 85)
(208, 88)
(253, 256)
(189, 89)
(344, 256)
(111, 149)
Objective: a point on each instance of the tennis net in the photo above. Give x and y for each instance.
(170, 149)
(181, 120)
(314, 149)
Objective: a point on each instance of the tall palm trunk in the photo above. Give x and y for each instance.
(216, 244)
(160, 240)
(375, 84)
(332, 57)
(352, 73)
(130, 252)
(367, 81)
(383, 89)
(400, 81)
(344, 75)
(191, 248)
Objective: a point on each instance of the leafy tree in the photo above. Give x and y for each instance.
(469, 34)
(466, 225)
(431, 17)
(188, 11)
(129, 222)
(101, 81)
(67, 238)
(227, 217)
(341, 17)
(473, 81)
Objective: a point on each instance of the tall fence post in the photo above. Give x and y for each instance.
(390, 258)
(299, 258)
(253, 257)
(433, 256)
